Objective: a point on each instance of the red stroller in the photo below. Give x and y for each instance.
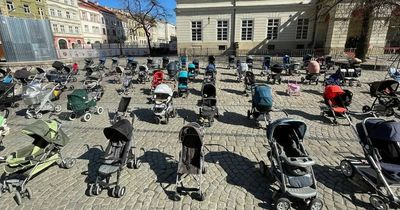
(336, 100)
(158, 78)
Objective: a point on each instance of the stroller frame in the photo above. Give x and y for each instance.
(388, 101)
(35, 110)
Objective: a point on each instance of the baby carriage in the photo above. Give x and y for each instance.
(114, 64)
(23, 76)
(329, 62)
(261, 104)
(380, 168)
(210, 72)
(231, 62)
(306, 60)
(81, 103)
(249, 81)
(211, 60)
(192, 71)
(275, 75)
(350, 75)
(158, 78)
(120, 152)
(118, 74)
(165, 62)
(294, 67)
(39, 99)
(183, 88)
(126, 80)
(241, 70)
(336, 101)
(293, 89)
(163, 105)
(93, 86)
(62, 75)
(394, 73)
(123, 109)
(131, 65)
(286, 63)
(172, 69)
(208, 109)
(291, 165)
(196, 63)
(266, 65)
(21, 166)
(4, 129)
(102, 64)
(184, 60)
(249, 61)
(191, 159)
(143, 74)
(88, 63)
(313, 73)
(385, 96)
(8, 98)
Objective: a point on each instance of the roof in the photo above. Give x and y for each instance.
(94, 6)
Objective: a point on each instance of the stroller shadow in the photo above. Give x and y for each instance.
(64, 116)
(164, 169)
(145, 115)
(146, 91)
(237, 92)
(188, 115)
(240, 171)
(331, 177)
(21, 112)
(307, 115)
(229, 80)
(234, 118)
(315, 92)
(93, 155)
(281, 93)
(228, 74)
(195, 92)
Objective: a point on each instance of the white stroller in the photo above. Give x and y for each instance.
(163, 106)
(39, 99)
(126, 80)
(241, 69)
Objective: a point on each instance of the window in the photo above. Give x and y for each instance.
(102, 20)
(84, 16)
(196, 31)
(26, 8)
(52, 12)
(272, 29)
(92, 18)
(71, 30)
(59, 13)
(73, 15)
(39, 1)
(62, 29)
(10, 6)
(221, 47)
(55, 28)
(247, 30)
(68, 15)
(93, 29)
(40, 12)
(222, 30)
(76, 29)
(104, 31)
(302, 28)
(300, 46)
(86, 28)
(62, 44)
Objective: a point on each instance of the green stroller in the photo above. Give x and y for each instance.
(20, 167)
(82, 104)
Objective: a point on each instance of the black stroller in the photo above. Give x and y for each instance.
(8, 98)
(208, 109)
(165, 62)
(381, 168)
(249, 61)
(249, 82)
(231, 62)
(23, 76)
(385, 96)
(88, 63)
(143, 75)
(211, 59)
(306, 60)
(172, 69)
(196, 63)
(261, 104)
(291, 165)
(119, 152)
(275, 74)
(191, 159)
(122, 111)
(62, 75)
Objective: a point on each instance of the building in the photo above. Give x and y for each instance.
(163, 33)
(92, 23)
(34, 9)
(114, 28)
(259, 26)
(65, 23)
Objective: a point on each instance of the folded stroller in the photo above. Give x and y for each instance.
(183, 88)
(21, 166)
(163, 104)
(385, 96)
(39, 99)
(381, 167)
(143, 74)
(291, 165)
(249, 61)
(8, 99)
(131, 65)
(172, 69)
(122, 111)
(275, 75)
(158, 78)
(261, 104)
(231, 62)
(266, 65)
(118, 154)
(313, 73)
(208, 110)
(4, 129)
(165, 62)
(191, 159)
(81, 103)
(192, 71)
(336, 101)
(350, 75)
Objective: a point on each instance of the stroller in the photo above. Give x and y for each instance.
(291, 165)
(208, 109)
(313, 73)
(241, 70)
(211, 60)
(21, 166)
(131, 65)
(92, 84)
(336, 101)
(350, 75)
(183, 89)
(123, 109)
(306, 60)
(192, 71)
(88, 63)
(231, 62)
(249, 61)
(191, 159)
(385, 95)
(276, 71)
(23, 76)
(143, 74)
(62, 75)
(119, 152)
(165, 62)
(286, 63)
(118, 74)
(184, 61)
(4, 129)
(158, 78)
(8, 98)
(394, 73)
(249, 82)
(196, 63)
(126, 80)
(210, 73)
(38, 77)
(163, 105)
(266, 65)
(114, 64)
(261, 104)
(81, 103)
(380, 168)
(39, 99)
(172, 69)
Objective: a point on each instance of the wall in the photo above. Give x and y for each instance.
(95, 53)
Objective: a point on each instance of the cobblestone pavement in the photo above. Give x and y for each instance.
(234, 148)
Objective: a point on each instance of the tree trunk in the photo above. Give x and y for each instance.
(148, 39)
(363, 42)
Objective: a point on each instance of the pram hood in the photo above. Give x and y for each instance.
(58, 65)
(163, 89)
(120, 131)
(193, 129)
(48, 131)
(333, 91)
(313, 67)
(183, 74)
(158, 75)
(196, 62)
(210, 68)
(297, 125)
(143, 68)
(88, 60)
(243, 67)
(208, 90)
(114, 59)
(262, 97)
(192, 66)
(22, 74)
(379, 130)
(385, 87)
(130, 58)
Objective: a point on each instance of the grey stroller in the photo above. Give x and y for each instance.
(291, 166)
(123, 109)
(163, 105)
(126, 81)
(118, 154)
(92, 84)
(39, 99)
(191, 159)
(208, 110)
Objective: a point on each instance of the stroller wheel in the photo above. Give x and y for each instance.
(366, 109)
(316, 204)
(97, 189)
(57, 108)
(378, 203)
(28, 193)
(282, 204)
(18, 198)
(99, 110)
(119, 191)
(87, 117)
(72, 116)
(68, 163)
(71, 87)
(137, 164)
(39, 115)
(28, 115)
(347, 168)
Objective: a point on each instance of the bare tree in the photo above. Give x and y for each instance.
(146, 13)
(368, 10)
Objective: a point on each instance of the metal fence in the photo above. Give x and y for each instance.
(26, 39)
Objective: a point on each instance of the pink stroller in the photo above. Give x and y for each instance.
(293, 89)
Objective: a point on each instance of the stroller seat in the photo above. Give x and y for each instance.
(113, 158)
(340, 110)
(191, 155)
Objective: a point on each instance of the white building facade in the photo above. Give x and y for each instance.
(92, 23)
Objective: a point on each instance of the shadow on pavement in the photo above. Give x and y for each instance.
(234, 118)
(145, 115)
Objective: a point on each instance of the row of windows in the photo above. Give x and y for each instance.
(87, 16)
(247, 29)
(62, 29)
(59, 13)
(25, 7)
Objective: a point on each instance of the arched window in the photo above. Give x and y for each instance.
(62, 44)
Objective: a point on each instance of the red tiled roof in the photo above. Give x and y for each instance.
(94, 6)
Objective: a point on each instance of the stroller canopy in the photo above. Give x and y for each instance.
(130, 58)
(379, 131)
(307, 57)
(191, 66)
(143, 68)
(114, 59)
(172, 68)
(313, 67)
(183, 74)
(48, 131)
(385, 87)
(194, 130)
(262, 98)
(22, 74)
(163, 89)
(120, 131)
(209, 90)
(58, 65)
(158, 74)
(196, 62)
(297, 125)
(333, 91)
(88, 60)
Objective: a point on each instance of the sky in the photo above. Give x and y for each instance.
(169, 4)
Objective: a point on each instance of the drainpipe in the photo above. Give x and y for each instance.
(233, 36)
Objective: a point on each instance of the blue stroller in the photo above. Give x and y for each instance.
(192, 71)
(394, 73)
(210, 72)
(261, 104)
(183, 88)
(184, 60)
(286, 63)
